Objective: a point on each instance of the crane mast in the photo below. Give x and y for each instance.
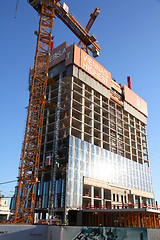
(32, 142)
(28, 175)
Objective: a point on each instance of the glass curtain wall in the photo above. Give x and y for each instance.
(86, 159)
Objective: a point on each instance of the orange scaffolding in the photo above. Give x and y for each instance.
(121, 218)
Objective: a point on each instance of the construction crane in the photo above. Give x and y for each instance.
(92, 19)
(29, 167)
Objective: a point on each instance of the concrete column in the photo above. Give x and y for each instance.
(141, 141)
(92, 121)
(71, 105)
(39, 216)
(102, 197)
(130, 142)
(134, 200)
(109, 129)
(136, 139)
(140, 201)
(117, 137)
(147, 146)
(101, 121)
(83, 110)
(65, 215)
(126, 199)
(92, 196)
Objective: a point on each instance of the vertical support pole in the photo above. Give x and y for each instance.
(83, 110)
(101, 122)
(139, 220)
(71, 106)
(144, 222)
(129, 220)
(134, 200)
(102, 220)
(92, 118)
(95, 219)
(136, 139)
(130, 140)
(99, 219)
(154, 220)
(102, 197)
(120, 220)
(92, 196)
(89, 219)
(132, 219)
(92, 217)
(125, 220)
(149, 221)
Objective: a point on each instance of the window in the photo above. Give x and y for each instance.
(97, 193)
(122, 198)
(125, 199)
(107, 194)
(117, 198)
(114, 198)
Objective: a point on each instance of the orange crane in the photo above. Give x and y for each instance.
(92, 19)
(28, 175)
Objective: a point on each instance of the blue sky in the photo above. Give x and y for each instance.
(128, 32)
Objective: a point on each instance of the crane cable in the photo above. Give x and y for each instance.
(15, 15)
(8, 182)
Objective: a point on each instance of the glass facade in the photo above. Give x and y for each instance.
(86, 159)
(59, 196)
(43, 194)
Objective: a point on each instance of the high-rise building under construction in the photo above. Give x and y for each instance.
(94, 130)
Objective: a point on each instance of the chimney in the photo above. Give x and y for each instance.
(129, 81)
(52, 46)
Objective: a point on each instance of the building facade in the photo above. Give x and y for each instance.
(4, 209)
(95, 131)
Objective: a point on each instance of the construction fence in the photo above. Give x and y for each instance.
(40, 232)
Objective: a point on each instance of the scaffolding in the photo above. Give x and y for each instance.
(125, 219)
(55, 151)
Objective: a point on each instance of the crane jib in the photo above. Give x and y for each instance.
(69, 21)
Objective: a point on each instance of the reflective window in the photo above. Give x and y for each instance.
(86, 159)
